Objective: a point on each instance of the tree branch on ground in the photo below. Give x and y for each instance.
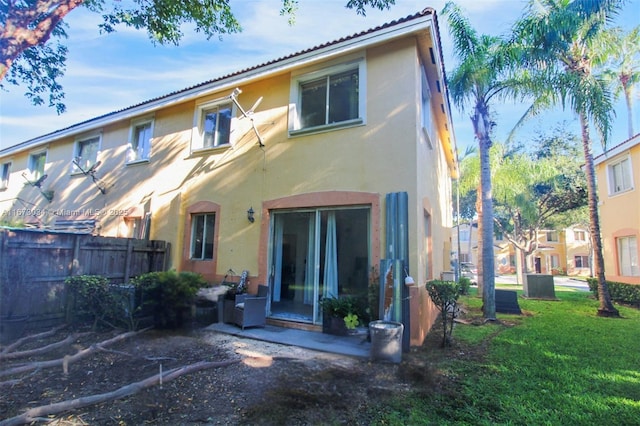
(33, 414)
(68, 359)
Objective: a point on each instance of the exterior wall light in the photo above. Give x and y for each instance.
(250, 214)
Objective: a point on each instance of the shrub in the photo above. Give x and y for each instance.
(92, 296)
(167, 295)
(619, 292)
(465, 284)
(444, 295)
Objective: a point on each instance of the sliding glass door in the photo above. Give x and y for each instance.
(317, 253)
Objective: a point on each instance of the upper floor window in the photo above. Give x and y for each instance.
(36, 164)
(464, 235)
(628, 256)
(328, 98)
(212, 127)
(552, 236)
(140, 134)
(4, 178)
(426, 114)
(202, 232)
(580, 235)
(619, 176)
(86, 153)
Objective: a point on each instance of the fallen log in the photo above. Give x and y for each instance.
(42, 349)
(25, 339)
(64, 362)
(46, 410)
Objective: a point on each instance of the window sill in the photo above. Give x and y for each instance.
(326, 127)
(206, 151)
(621, 192)
(427, 138)
(137, 162)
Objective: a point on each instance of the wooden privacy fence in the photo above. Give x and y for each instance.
(34, 265)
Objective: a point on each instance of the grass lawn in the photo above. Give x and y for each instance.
(557, 364)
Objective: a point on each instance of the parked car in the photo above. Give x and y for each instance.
(469, 270)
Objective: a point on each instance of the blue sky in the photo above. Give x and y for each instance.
(108, 72)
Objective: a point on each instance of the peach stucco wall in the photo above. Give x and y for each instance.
(348, 166)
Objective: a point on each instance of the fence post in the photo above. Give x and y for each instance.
(69, 301)
(127, 261)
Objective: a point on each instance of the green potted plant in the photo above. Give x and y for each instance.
(340, 315)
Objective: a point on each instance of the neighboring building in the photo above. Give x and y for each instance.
(618, 173)
(566, 251)
(291, 190)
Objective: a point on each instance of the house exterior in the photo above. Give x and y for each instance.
(566, 251)
(618, 174)
(294, 189)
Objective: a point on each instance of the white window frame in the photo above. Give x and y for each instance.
(627, 254)
(139, 155)
(308, 75)
(5, 175)
(585, 261)
(626, 175)
(580, 235)
(553, 236)
(205, 233)
(197, 135)
(76, 152)
(426, 111)
(33, 172)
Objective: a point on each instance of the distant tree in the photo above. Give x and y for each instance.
(620, 53)
(559, 41)
(29, 55)
(531, 189)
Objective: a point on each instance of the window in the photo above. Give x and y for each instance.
(464, 257)
(628, 256)
(554, 261)
(329, 98)
(428, 246)
(552, 236)
(202, 229)
(464, 235)
(582, 261)
(212, 125)
(580, 235)
(36, 164)
(86, 153)
(619, 175)
(139, 148)
(426, 117)
(4, 178)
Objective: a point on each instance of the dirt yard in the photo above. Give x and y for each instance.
(245, 381)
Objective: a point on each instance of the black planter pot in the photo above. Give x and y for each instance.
(334, 325)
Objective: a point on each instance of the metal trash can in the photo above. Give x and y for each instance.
(386, 341)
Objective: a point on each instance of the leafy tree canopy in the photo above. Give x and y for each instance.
(32, 32)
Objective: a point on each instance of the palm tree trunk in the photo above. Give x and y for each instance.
(627, 98)
(482, 126)
(479, 265)
(606, 306)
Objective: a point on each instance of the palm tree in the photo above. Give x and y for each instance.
(476, 83)
(557, 38)
(622, 65)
